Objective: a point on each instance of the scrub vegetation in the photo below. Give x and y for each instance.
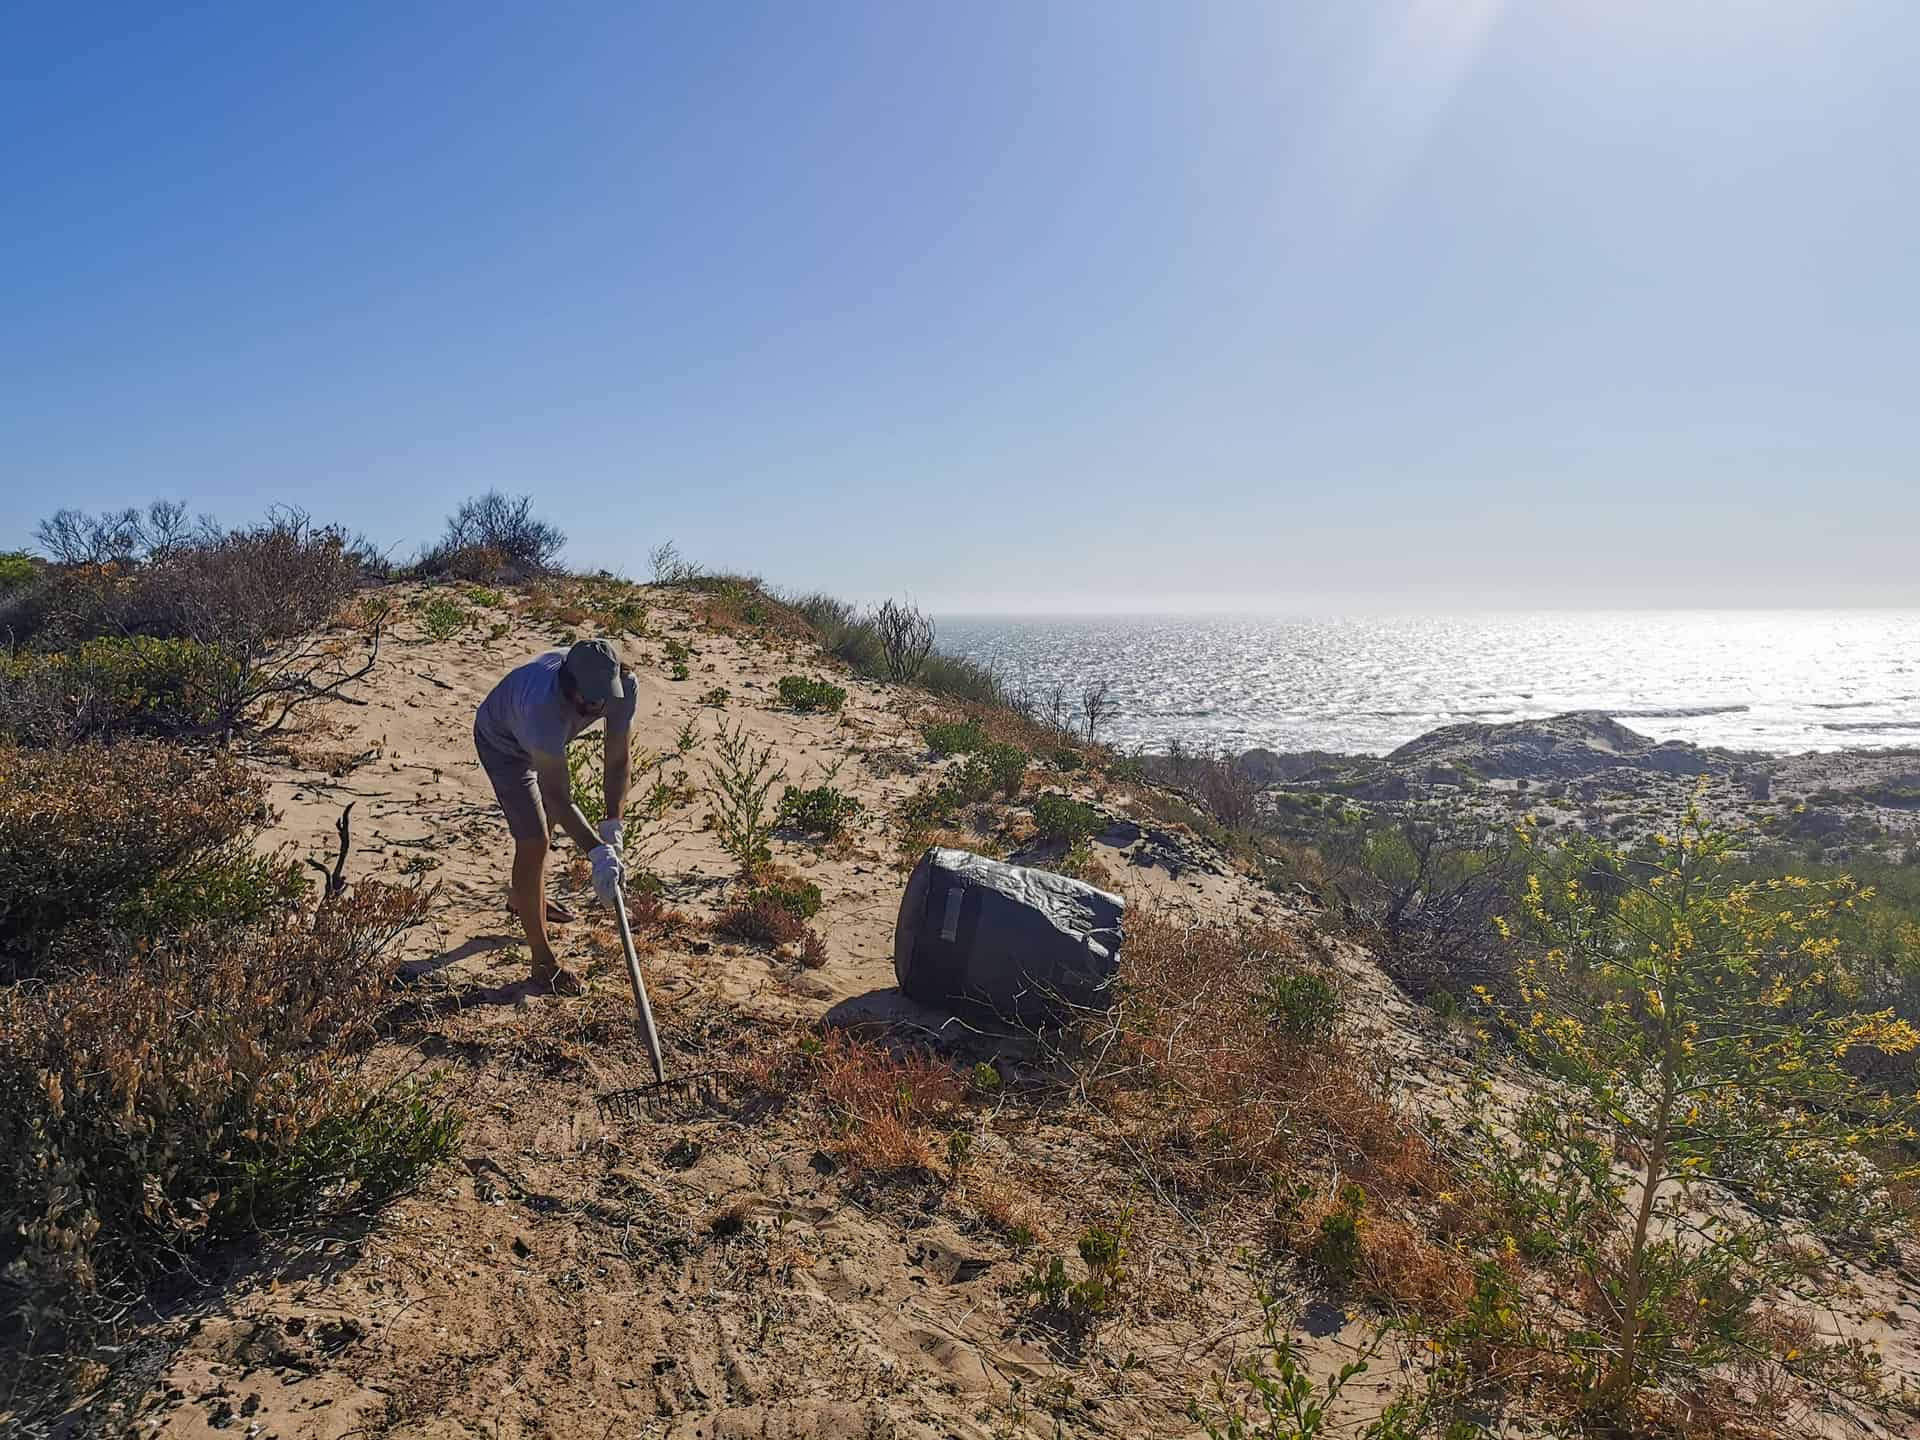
(1664, 1127)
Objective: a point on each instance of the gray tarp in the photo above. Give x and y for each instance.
(1018, 942)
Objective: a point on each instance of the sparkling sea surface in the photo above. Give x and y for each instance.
(1780, 681)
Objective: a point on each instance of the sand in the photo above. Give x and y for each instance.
(589, 1267)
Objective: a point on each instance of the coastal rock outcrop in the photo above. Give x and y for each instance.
(1562, 747)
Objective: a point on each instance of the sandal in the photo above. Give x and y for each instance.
(559, 980)
(557, 914)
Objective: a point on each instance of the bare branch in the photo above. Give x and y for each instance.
(906, 638)
(334, 882)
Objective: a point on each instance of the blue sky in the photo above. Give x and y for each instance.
(1356, 304)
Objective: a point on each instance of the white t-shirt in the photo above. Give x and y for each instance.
(526, 717)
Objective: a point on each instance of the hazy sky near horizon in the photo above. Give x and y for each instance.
(1035, 305)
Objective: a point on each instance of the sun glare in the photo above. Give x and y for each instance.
(1397, 95)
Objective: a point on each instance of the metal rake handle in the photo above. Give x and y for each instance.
(641, 1005)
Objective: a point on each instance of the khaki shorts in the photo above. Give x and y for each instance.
(517, 789)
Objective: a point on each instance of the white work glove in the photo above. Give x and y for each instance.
(614, 833)
(608, 872)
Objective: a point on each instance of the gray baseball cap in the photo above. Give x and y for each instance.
(593, 669)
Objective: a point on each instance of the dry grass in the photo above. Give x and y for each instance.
(336, 762)
(1397, 1263)
(1002, 726)
(728, 603)
(916, 842)
(1229, 1109)
(884, 1105)
(1007, 1208)
(614, 606)
(760, 919)
(1244, 1101)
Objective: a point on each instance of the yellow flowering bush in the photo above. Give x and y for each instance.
(1706, 1102)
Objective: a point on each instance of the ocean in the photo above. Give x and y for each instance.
(1777, 681)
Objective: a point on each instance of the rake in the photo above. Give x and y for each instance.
(684, 1095)
(642, 1007)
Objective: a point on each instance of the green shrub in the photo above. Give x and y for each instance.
(1302, 1006)
(955, 679)
(487, 599)
(717, 697)
(1063, 819)
(1006, 767)
(443, 617)
(228, 888)
(890, 650)
(971, 781)
(1693, 1025)
(138, 836)
(960, 737)
(197, 1090)
(586, 777)
(800, 898)
(804, 694)
(931, 805)
(822, 810)
(16, 571)
(1079, 863)
(1081, 1303)
(741, 778)
(1337, 1247)
(1000, 769)
(107, 687)
(1271, 1394)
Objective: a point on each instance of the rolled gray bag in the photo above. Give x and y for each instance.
(1027, 945)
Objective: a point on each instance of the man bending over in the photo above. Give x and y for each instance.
(521, 731)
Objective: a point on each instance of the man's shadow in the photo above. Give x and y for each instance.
(417, 970)
(425, 998)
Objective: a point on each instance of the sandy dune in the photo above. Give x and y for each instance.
(567, 1277)
(595, 1265)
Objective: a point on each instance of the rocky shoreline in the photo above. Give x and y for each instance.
(1587, 771)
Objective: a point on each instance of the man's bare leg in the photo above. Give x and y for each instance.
(530, 901)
